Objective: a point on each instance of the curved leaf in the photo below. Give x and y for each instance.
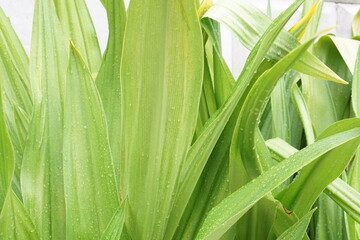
(77, 25)
(108, 79)
(90, 189)
(225, 214)
(42, 186)
(161, 80)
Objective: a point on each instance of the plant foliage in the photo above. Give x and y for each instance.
(156, 139)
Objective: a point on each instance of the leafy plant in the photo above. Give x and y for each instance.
(155, 139)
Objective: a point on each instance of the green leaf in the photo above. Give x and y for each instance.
(42, 168)
(348, 50)
(249, 23)
(14, 69)
(115, 227)
(327, 102)
(354, 173)
(225, 214)
(346, 197)
(243, 140)
(108, 79)
(286, 123)
(200, 151)
(15, 223)
(307, 187)
(161, 80)
(7, 161)
(77, 25)
(355, 90)
(342, 193)
(356, 24)
(91, 198)
(223, 78)
(329, 220)
(301, 107)
(298, 230)
(354, 176)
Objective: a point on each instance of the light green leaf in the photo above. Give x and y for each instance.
(355, 90)
(354, 173)
(225, 214)
(307, 187)
(286, 123)
(223, 78)
(298, 230)
(161, 80)
(15, 223)
(243, 140)
(108, 79)
(77, 25)
(200, 151)
(41, 175)
(348, 50)
(91, 198)
(353, 180)
(249, 23)
(7, 161)
(329, 220)
(346, 197)
(342, 193)
(327, 102)
(115, 227)
(14, 71)
(356, 24)
(301, 107)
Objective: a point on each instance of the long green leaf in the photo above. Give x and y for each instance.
(15, 223)
(114, 230)
(355, 90)
(356, 24)
(7, 161)
(200, 151)
(327, 102)
(108, 79)
(346, 197)
(77, 25)
(224, 215)
(298, 230)
(14, 69)
(248, 23)
(91, 197)
(348, 50)
(307, 187)
(244, 141)
(42, 186)
(354, 173)
(300, 105)
(342, 193)
(161, 79)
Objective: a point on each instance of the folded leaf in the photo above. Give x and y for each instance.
(298, 230)
(14, 71)
(91, 197)
(42, 167)
(225, 214)
(108, 79)
(15, 223)
(249, 23)
(115, 228)
(200, 151)
(6, 156)
(161, 80)
(77, 25)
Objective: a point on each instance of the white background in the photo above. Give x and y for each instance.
(20, 13)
